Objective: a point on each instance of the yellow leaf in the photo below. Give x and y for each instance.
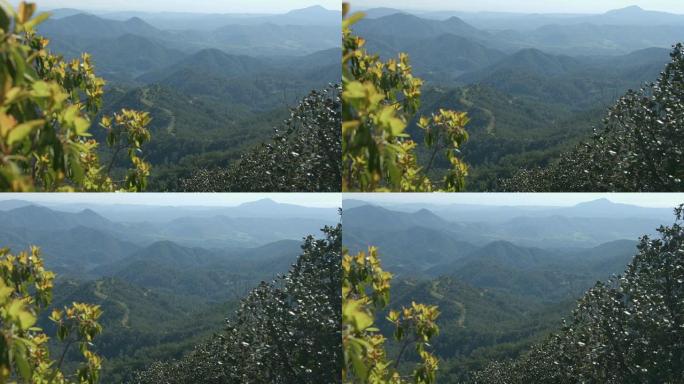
(26, 10)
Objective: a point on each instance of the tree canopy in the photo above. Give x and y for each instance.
(46, 109)
(304, 156)
(26, 291)
(640, 147)
(629, 329)
(378, 100)
(285, 331)
(365, 292)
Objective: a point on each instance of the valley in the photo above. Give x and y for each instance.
(536, 85)
(166, 278)
(215, 86)
(503, 277)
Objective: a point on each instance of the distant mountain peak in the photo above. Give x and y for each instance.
(311, 8)
(379, 12)
(602, 202)
(455, 20)
(140, 24)
(265, 201)
(31, 208)
(424, 211)
(314, 9)
(13, 204)
(627, 10)
(536, 52)
(427, 214)
(136, 20)
(81, 17)
(88, 212)
(402, 16)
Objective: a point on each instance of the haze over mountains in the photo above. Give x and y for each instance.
(533, 84)
(255, 34)
(314, 15)
(630, 15)
(502, 276)
(215, 84)
(598, 35)
(165, 277)
(433, 239)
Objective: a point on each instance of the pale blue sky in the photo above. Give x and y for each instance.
(332, 200)
(664, 200)
(525, 6)
(196, 6)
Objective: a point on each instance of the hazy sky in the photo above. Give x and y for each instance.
(525, 6)
(197, 6)
(666, 200)
(180, 199)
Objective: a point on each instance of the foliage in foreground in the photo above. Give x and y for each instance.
(286, 331)
(46, 106)
(304, 157)
(365, 292)
(627, 330)
(378, 100)
(641, 147)
(25, 291)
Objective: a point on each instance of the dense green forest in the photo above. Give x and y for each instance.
(209, 100)
(504, 278)
(283, 332)
(166, 279)
(627, 329)
(535, 92)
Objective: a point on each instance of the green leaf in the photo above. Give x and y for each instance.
(41, 89)
(355, 90)
(81, 126)
(22, 362)
(26, 320)
(20, 131)
(31, 24)
(5, 292)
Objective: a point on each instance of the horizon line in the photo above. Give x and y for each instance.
(509, 200)
(171, 200)
(107, 11)
(419, 11)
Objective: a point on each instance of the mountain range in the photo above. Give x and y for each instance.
(165, 277)
(583, 226)
(503, 277)
(533, 85)
(521, 250)
(72, 242)
(630, 15)
(77, 29)
(599, 208)
(131, 213)
(310, 16)
(214, 85)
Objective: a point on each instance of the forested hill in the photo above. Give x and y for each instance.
(166, 277)
(533, 85)
(502, 277)
(215, 85)
(585, 225)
